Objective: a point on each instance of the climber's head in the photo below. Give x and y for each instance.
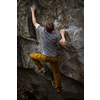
(49, 27)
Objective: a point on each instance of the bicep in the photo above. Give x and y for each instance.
(36, 25)
(62, 43)
(59, 38)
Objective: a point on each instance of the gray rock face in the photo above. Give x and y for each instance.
(65, 14)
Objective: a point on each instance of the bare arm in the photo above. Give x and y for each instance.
(33, 18)
(63, 40)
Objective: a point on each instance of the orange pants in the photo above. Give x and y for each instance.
(36, 58)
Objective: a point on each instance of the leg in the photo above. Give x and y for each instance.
(36, 58)
(56, 73)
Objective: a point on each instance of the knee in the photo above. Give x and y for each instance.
(31, 55)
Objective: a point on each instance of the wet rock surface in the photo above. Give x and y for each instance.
(65, 14)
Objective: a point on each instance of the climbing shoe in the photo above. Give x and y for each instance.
(43, 70)
(59, 90)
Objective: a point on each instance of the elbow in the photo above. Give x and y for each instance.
(34, 23)
(64, 44)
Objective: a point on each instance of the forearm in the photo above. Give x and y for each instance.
(33, 18)
(63, 40)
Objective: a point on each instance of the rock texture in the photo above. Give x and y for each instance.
(65, 14)
(33, 85)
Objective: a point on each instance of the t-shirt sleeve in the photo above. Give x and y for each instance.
(58, 37)
(40, 29)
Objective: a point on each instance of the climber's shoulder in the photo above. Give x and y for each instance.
(40, 28)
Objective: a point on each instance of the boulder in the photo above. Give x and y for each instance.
(65, 14)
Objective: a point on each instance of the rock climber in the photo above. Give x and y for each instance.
(48, 52)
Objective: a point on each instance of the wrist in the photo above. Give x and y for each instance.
(32, 11)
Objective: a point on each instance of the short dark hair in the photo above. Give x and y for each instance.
(49, 27)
